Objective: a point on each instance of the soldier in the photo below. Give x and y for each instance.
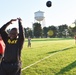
(11, 62)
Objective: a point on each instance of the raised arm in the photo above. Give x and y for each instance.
(3, 29)
(21, 33)
(7, 24)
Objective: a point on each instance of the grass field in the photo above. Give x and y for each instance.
(49, 57)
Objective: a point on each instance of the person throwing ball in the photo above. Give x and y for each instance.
(11, 62)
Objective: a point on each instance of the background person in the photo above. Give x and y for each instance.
(29, 41)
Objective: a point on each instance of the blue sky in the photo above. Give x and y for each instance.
(61, 12)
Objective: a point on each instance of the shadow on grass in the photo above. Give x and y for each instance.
(61, 50)
(67, 68)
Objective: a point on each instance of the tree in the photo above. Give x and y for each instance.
(45, 30)
(62, 30)
(74, 30)
(54, 30)
(37, 30)
(28, 32)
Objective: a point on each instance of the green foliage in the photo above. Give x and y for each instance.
(61, 60)
(37, 29)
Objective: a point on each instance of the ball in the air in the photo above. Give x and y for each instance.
(48, 3)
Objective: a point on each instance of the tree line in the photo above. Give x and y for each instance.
(51, 31)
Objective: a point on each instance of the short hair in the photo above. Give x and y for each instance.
(14, 29)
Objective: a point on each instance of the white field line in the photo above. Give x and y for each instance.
(45, 58)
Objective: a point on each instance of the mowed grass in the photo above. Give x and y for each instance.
(49, 57)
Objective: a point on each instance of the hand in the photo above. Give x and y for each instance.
(19, 19)
(12, 20)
